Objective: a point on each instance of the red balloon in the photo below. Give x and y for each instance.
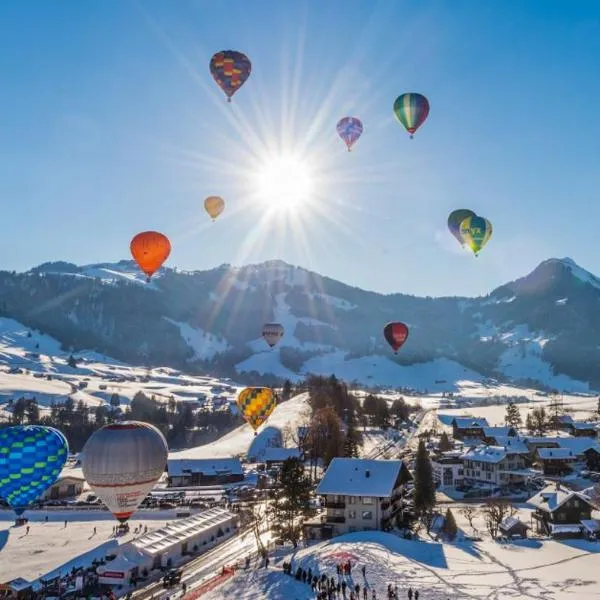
(395, 334)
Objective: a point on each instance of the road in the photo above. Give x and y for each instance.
(234, 550)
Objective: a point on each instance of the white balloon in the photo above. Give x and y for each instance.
(272, 332)
(122, 462)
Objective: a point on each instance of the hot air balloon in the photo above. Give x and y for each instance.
(214, 206)
(395, 335)
(230, 69)
(272, 332)
(411, 110)
(349, 129)
(150, 249)
(122, 462)
(455, 218)
(476, 232)
(31, 459)
(256, 404)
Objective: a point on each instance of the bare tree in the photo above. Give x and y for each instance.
(469, 512)
(495, 512)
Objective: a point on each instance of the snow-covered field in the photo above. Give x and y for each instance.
(53, 547)
(526, 570)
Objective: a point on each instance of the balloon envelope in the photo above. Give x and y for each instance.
(476, 232)
(256, 404)
(150, 249)
(214, 206)
(230, 69)
(455, 218)
(411, 110)
(395, 334)
(272, 333)
(349, 129)
(122, 462)
(31, 459)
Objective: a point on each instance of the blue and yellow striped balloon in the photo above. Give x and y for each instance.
(31, 459)
(475, 232)
(256, 404)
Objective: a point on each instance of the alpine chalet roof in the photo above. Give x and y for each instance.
(207, 466)
(551, 498)
(360, 477)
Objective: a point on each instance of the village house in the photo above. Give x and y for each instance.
(277, 456)
(555, 461)
(559, 511)
(592, 458)
(496, 466)
(359, 494)
(468, 428)
(66, 486)
(491, 434)
(581, 429)
(448, 470)
(186, 472)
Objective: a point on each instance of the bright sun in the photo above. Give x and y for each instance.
(285, 183)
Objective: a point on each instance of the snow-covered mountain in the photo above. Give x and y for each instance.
(542, 329)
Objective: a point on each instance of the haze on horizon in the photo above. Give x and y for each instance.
(112, 124)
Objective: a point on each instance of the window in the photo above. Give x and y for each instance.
(576, 503)
(351, 499)
(560, 516)
(352, 514)
(367, 515)
(367, 500)
(488, 475)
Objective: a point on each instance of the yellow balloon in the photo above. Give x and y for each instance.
(256, 404)
(214, 206)
(475, 232)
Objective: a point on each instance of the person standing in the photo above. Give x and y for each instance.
(416, 594)
(410, 593)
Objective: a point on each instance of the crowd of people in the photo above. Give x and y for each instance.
(343, 586)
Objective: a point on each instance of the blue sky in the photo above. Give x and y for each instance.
(110, 124)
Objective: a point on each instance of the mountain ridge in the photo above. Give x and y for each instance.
(540, 328)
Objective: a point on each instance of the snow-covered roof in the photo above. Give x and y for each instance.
(551, 498)
(179, 531)
(280, 454)
(555, 453)
(581, 425)
(554, 528)
(360, 477)
(466, 422)
(509, 522)
(514, 444)
(592, 525)
(578, 445)
(206, 466)
(498, 431)
(565, 419)
(532, 439)
(489, 454)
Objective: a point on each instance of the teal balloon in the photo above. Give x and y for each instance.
(31, 459)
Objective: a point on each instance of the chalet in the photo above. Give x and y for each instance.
(277, 456)
(581, 429)
(184, 472)
(494, 465)
(559, 511)
(533, 443)
(359, 494)
(512, 527)
(448, 470)
(591, 528)
(564, 422)
(592, 458)
(491, 434)
(468, 427)
(555, 461)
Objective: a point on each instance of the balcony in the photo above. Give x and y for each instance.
(334, 519)
(332, 504)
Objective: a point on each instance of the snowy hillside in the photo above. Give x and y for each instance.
(541, 330)
(243, 442)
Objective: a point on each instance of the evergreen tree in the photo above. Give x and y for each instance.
(513, 415)
(450, 529)
(370, 405)
(529, 423)
(353, 439)
(445, 443)
(286, 393)
(598, 411)
(33, 412)
(382, 414)
(424, 497)
(72, 361)
(400, 409)
(115, 401)
(19, 408)
(291, 501)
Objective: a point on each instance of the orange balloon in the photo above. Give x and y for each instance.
(150, 249)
